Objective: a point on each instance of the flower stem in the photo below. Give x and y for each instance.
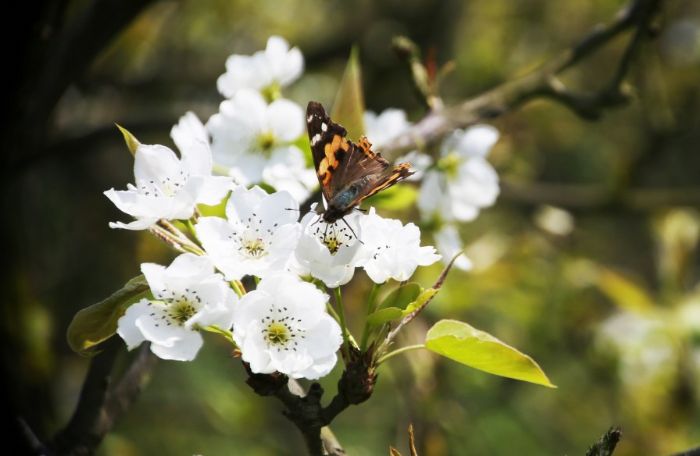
(371, 307)
(238, 287)
(398, 351)
(341, 314)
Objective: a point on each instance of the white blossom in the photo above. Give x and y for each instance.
(258, 237)
(463, 182)
(328, 252)
(283, 326)
(275, 67)
(391, 250)
(382, 128)
(168, 187)
(253, 142)
(187, 294)
(448, 243)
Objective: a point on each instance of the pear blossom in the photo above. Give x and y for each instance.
(463, 182)
(282, 326)
(258, 237)
(328, 251)
(253, 142)
(168, 187)
(391, 250)
(269, 70)
(449, 244)
(187, 294)
(384, 127)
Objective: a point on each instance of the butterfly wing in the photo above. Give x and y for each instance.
(329, 147)
(347, 172)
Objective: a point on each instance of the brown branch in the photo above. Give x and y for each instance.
(304, 409)
(101, 402)
(542, 83)
(607, 443)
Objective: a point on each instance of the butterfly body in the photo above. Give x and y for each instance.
(347, 172)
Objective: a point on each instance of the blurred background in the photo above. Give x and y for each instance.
(588, 261)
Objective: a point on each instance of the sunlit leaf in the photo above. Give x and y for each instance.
(624, 292)
(97, 323)
(394, 198)
(131, 142)
(349, 105)
(478, 349)
(422, 299)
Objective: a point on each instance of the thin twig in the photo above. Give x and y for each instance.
(542, 83)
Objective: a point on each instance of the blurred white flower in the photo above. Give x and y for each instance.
(252, 141)
(328, 252)
(168, 187)
(448, 244)
(391, 250)
(645, 345)
(382, 128)
(554, 220)
(463, 182)
(187, 294)
(259, 236)
(269, 70)
(283, 326)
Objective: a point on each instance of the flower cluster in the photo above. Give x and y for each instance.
(288, 260)
(455, 186)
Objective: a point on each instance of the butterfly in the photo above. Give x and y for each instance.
(347, 172)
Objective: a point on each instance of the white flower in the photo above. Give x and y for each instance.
(391, 250)
(187, 294)
(328, 252)
(253, 142)
(275, 67)
(448, 244)
(168, 187)
(382, 128)
(259, 236)
(464, 182)
(282, 326)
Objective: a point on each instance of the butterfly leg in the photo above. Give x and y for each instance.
(351, 230)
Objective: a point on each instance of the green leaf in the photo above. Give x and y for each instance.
(385, 315)
(349, 106)
(394, 198)
(97, 323)
(478, 349)
(422, 299)
(401, 296)
(131, 142)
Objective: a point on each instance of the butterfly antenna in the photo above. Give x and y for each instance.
(292, 209)
(364, 211)
(351, 230)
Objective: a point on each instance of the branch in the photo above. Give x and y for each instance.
(304, 409)
(101, 402)
(542, 83)
(607, 443)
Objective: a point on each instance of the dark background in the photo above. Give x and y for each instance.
(628, 267)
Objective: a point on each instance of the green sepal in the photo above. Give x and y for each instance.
(131, 142)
